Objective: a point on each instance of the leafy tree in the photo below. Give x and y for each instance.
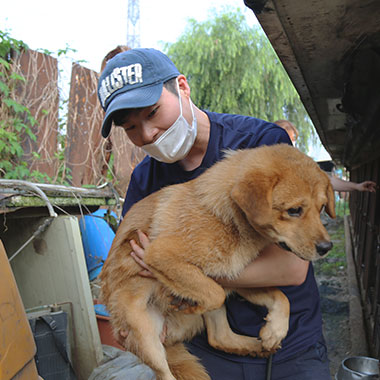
(233, 68)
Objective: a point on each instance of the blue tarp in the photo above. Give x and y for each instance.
(97, 237)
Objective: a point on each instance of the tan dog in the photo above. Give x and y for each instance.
(213, 226)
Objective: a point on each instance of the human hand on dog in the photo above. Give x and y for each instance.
(139, 252)
(177, 303)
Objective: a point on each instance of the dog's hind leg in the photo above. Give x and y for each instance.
(221, 337)
(144, 324)
(184, 365)
(277, 319)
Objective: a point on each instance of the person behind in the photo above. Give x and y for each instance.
(290, 128)
(337, 183)
(118, 49)
(142, 92)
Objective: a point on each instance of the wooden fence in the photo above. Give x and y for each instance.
(86, 154)
(365, 217)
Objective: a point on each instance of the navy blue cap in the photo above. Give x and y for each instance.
(133, 79)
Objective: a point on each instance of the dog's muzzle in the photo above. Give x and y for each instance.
(322, 248)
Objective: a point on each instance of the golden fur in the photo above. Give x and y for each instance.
(213, 226)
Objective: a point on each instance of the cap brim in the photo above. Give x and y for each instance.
(137, 98)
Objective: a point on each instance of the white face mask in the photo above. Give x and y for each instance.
(175, 143)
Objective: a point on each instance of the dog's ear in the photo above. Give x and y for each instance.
(330, 206)
(253, 194)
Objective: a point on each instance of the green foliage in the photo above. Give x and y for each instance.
(110, 175)
(233, 68)
(15, 119)
(342, 208)
(8, 45)
(335, 261)
(60, 52)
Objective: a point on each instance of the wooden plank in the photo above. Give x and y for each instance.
(10, 186)
(30, 201)
(17, 346)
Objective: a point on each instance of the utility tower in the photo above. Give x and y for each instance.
(133, 24)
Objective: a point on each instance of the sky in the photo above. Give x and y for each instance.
(94, 27)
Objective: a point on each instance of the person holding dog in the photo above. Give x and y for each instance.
(142, 92)
(338, 184)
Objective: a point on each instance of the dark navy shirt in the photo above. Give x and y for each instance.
(238, 132)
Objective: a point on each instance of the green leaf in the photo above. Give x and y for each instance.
(2, 146)
(17, 77)
(4, 63)
(4, 88)
(17, 107)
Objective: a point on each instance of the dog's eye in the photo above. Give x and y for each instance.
(295, 211)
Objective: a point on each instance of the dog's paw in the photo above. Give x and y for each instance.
(264, 354)
(271, 338)
(260, 352)
(184, 305)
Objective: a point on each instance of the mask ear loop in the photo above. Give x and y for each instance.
(180, 98)
(180, 102)
(192, 109)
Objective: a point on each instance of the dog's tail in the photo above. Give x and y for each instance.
(183, 365)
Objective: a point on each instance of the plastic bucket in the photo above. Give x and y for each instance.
(97, 237)
(358, 368)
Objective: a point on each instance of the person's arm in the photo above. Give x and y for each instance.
(341, 185)
(274, 267)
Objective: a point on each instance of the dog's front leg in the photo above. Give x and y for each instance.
(221, 337)
(171, 263)
(277, 319)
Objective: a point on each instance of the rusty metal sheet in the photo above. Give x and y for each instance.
(87, 153)
(126, 157)
(84, 142)
(40, 95)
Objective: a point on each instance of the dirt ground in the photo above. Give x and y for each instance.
(331, 275)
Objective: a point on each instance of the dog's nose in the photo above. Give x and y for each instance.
(323, 247)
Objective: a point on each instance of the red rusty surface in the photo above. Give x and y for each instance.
(40, 95)
(84, 142)
(87, 153)
(126, 157)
